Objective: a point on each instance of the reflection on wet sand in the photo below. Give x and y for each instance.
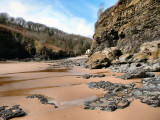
(25, 92)
(4, 78)
(4, 82)
(66, 104)
(46, 70)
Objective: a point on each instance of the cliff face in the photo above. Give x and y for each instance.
(127, 25)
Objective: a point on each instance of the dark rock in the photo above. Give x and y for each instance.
(137, 73)
(119, 96)
(67, 63)
(14, 111)
(87, 76)
(43, 100)
(125, 103)
(3, 108)
(126, 68)
(152, 100)
(112, 106)
(115, 98)
(114, 75)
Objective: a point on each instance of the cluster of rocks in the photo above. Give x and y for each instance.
(42, 99)
(147, 57)
(128, 67)
(136, 70)
(87, 76)
(67, 63)
(119, 96)
(7, 112)
(137, 73)
(150, 91)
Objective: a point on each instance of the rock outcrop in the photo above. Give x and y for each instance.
(103, 58)
(119, 96)
(130, 26)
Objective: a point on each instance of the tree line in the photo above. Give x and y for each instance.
(70, 43)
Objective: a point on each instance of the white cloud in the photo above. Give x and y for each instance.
(54, 16)
(17, 7)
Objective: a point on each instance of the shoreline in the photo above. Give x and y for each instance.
(65, 89)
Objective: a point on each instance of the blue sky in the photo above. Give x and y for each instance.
(71, 16)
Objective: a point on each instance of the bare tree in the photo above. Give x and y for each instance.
(20, 21)
(4, 17)
(101, 9)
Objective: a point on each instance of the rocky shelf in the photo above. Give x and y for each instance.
(119, 96)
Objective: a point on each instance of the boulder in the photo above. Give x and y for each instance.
(137, 73)
(103, 58)
(149, 51)
(112, 53)
(97, 60)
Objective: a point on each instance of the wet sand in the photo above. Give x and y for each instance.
(62, 87)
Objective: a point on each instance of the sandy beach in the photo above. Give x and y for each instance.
(62, 87)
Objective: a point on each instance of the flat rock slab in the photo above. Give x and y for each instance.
(119, 96)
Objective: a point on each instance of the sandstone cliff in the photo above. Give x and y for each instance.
(127, 25)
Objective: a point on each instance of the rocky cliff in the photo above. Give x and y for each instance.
(123, 29)
(127, 25)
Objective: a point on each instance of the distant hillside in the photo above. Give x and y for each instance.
(21, 39)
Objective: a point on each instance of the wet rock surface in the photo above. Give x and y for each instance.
(119, 96)
(116, 97)
(136, 70)
(43, 100)
(150, 91)
(8, 113)
(137, 73)
(124, 68)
